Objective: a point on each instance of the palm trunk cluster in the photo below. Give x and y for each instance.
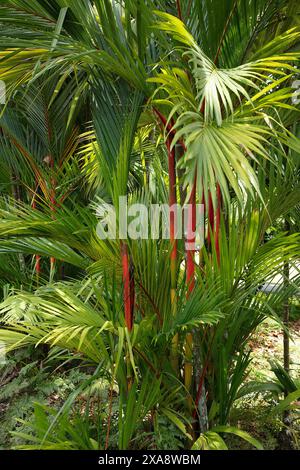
(213, 230)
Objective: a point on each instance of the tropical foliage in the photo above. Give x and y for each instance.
(161, 103)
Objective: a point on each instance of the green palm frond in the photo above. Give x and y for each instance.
(227, 123)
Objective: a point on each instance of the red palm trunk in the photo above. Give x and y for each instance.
(173, 240)
(190, 279)
(190, 253)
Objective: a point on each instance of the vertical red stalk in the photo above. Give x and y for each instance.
(190, 279)
(38, 264)
(172, 201)
(173, 241)
(190, 261)
(128, 298)
(179, 9)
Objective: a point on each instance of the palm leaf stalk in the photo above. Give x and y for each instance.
(128, 301)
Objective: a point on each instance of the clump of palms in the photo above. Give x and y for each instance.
(169, 116)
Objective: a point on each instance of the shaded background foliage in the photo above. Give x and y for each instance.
(163, 102)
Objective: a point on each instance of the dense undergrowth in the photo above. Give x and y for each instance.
(35, 387)
(152, 334)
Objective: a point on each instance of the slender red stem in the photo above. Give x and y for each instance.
(190, 280)
(38, 269)
(189, 8)
(169, 127)
(155, 308)
(179, 9)
(163, 119)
